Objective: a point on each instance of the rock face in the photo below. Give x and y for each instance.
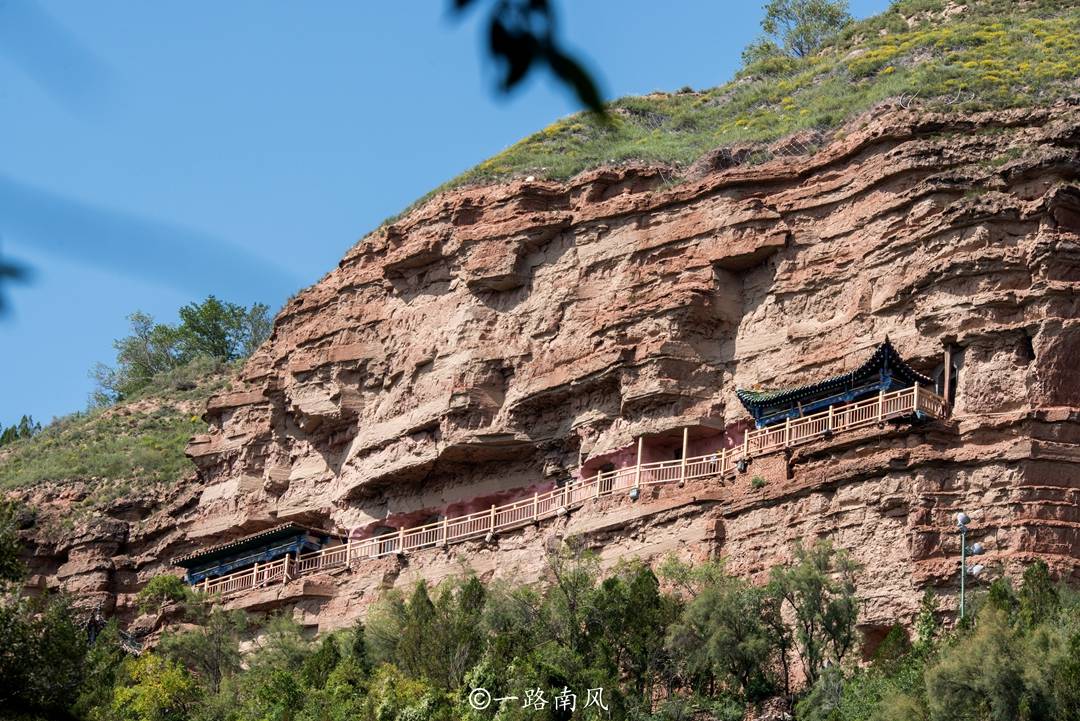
(497, 340)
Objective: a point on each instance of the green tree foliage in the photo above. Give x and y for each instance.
(211, 649)
(625, 622)
(153, 688)
(819, 590)
(160, 591)
(1039, 598)
(982, 678)
(222, 330)
(318, 666)
(698, 644)
(435, 640)
(726, 636)
(42, 649)
(213, 329)
(11, 566)
(1008, 661)
(358, 649)
(799, 27)
(895, 646)
(1064, 681)
(25, 428)
(101, 670)
(927, 626)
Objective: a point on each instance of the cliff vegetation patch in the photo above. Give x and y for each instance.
(968, 56)
(145, 407)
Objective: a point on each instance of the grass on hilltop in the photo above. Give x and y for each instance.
(141, 438)
(995, 54)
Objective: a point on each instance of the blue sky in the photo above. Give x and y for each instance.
(247, 144)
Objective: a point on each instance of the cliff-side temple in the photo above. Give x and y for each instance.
(493, 375)
(262, 556)
(882, 372)
(882, 389)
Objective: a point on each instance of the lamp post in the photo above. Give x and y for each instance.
(962, 521)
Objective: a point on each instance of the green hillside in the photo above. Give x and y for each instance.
(141, 439)
(979, 54)
(145, 407)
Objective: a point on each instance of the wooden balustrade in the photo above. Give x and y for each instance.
(541, 506)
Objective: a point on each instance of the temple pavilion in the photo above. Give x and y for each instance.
(884, 371)
(257, 548)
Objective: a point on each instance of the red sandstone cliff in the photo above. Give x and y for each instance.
(498, 339)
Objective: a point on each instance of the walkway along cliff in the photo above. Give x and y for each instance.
(262, 559)
(520, 346)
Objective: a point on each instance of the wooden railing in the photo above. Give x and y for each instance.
(557, 502)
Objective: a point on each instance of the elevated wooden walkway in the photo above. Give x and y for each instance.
(542, 506)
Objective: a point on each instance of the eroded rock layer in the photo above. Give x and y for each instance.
(496, 340)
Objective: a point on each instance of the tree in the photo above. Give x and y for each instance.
(11, 566)
(153, 688)
(25, 428)
(358, 648)
(799, 27)
(926, 623)
(256, 324)
(820, 591)
(981, 678)
(214, 329)
(222, 330)
(438, 640)
(626, 624)
(100, 673)
(42, 649)
(282, 646)
(211, 649)
(723, 633)
(1038, 598)
(1064, 682)
(318, 666)
(761, 49)
(161, 590)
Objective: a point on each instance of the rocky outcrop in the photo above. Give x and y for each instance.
(498, 339)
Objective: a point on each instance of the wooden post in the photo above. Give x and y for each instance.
(685, 443)
(723, 460)
(915, 398)
(536, 506)
(285, 569)
(445, 530)
(255, 575)
(880, 404)
(637, 472)
(746, 444)
(787, 431)
(830, 420)
(493, 518)
(948, 374)
(401, 539)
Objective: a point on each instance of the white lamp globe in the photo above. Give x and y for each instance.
(977, 549)
(962, 519)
